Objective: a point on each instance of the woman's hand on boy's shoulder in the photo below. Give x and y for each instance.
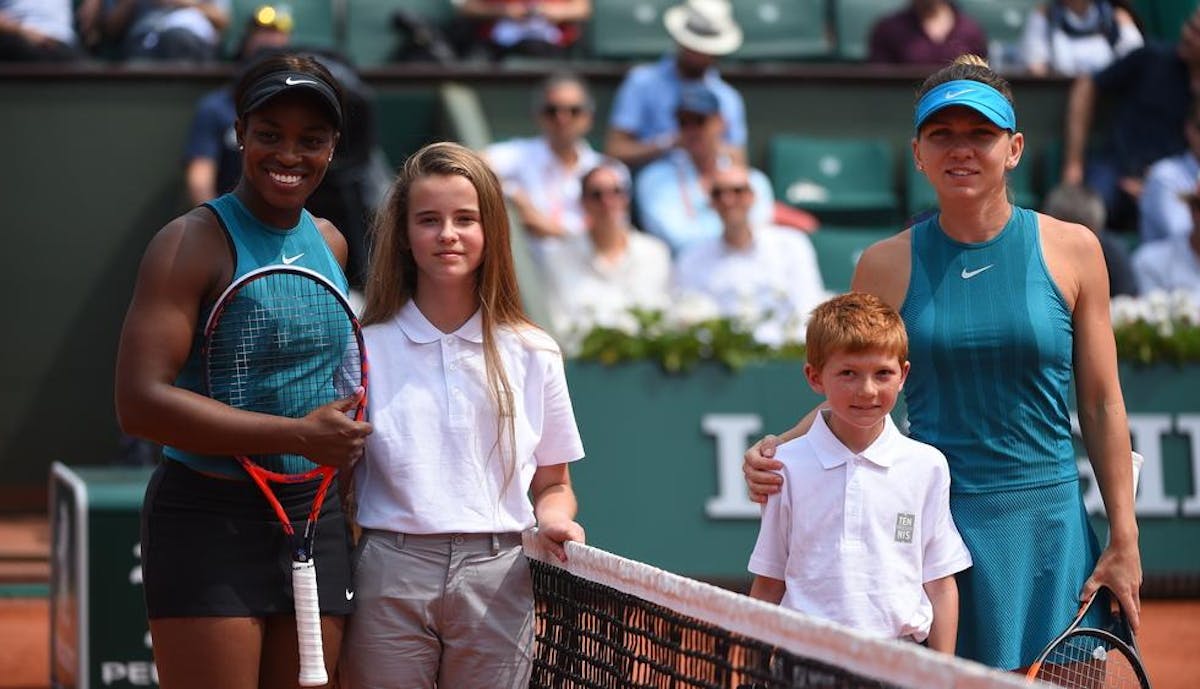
(762, 469)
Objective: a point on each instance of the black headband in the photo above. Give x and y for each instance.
(275, 83)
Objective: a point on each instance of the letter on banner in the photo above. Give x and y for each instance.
(732, 432)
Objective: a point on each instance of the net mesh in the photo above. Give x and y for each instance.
(605, 622)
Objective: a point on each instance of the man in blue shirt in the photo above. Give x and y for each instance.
(1162, 211)
(642, 125)
(674, 192)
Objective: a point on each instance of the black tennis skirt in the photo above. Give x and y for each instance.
(214, 548)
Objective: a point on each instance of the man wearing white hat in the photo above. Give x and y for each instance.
(643, 125)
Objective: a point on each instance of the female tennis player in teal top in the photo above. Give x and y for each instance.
(1003, 305)
(213, 559)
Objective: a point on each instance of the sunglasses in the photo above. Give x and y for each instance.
(718, 192)
(599, 193)
(690, 119)
(551, 110)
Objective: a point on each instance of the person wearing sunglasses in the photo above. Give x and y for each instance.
(541, 174)
(597, 277)
(753, 270)
(673, 192)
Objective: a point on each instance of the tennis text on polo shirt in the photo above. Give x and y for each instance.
(904, 527)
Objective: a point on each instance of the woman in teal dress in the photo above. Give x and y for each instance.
(1003, 306)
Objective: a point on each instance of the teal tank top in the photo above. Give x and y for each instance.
(990, 340)
(254, 245)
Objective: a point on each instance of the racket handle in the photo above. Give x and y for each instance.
(308, 624)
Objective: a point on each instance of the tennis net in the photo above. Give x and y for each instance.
(605, 622)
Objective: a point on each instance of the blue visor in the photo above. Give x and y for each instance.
(975, 95)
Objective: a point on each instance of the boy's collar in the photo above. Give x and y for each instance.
(832, 453)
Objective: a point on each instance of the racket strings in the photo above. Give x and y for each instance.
(284, 345)
(1089, 662)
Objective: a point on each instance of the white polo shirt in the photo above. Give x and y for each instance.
(855, 536)
(583, 289)
(776, 274)
(432, 464)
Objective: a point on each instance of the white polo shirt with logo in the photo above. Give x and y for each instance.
(855, 536)
(432, 463)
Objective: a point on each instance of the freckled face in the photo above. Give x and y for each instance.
(288, 143)
(445, 230)
(963, 154)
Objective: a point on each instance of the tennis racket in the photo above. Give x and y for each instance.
(1089, 658)
(283, 340)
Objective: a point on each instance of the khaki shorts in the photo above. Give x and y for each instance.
(455, 610)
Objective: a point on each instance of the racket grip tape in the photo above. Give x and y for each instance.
(308, 624)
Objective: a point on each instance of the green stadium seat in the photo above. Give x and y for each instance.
(407, 120)
(629, 29)
(853, 20)
(920, 196)
(1169, 17)
(370, 38)
(839, 248)
(849, 181)
(1002, 21)
(312, 20)
(783, 29)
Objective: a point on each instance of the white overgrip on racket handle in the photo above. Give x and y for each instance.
(308, 624)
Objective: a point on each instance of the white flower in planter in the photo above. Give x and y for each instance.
(690, 309)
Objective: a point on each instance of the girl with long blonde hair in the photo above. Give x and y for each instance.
(472, 419)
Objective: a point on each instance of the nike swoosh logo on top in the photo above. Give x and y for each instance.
(349, 594)
(292, 81)
(956, 94)
(289, 260)
(968, 274)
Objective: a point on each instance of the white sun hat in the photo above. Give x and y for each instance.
(705, 26)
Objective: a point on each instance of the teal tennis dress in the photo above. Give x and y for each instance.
(990, 341)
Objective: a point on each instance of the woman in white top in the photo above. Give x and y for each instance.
(472, 416)
(1079, 36)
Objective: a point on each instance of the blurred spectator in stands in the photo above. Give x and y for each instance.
(754, 271)
(212, 160)
(541, 174)
(188, 30)
(1173, 263)
(1161, 210)
(673, 192)
(927, 32)
(1152, 92)
(1079, 36)
(32, 30)
(597, 277)
(1083, 206)
(642, 125)
(540, 28)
